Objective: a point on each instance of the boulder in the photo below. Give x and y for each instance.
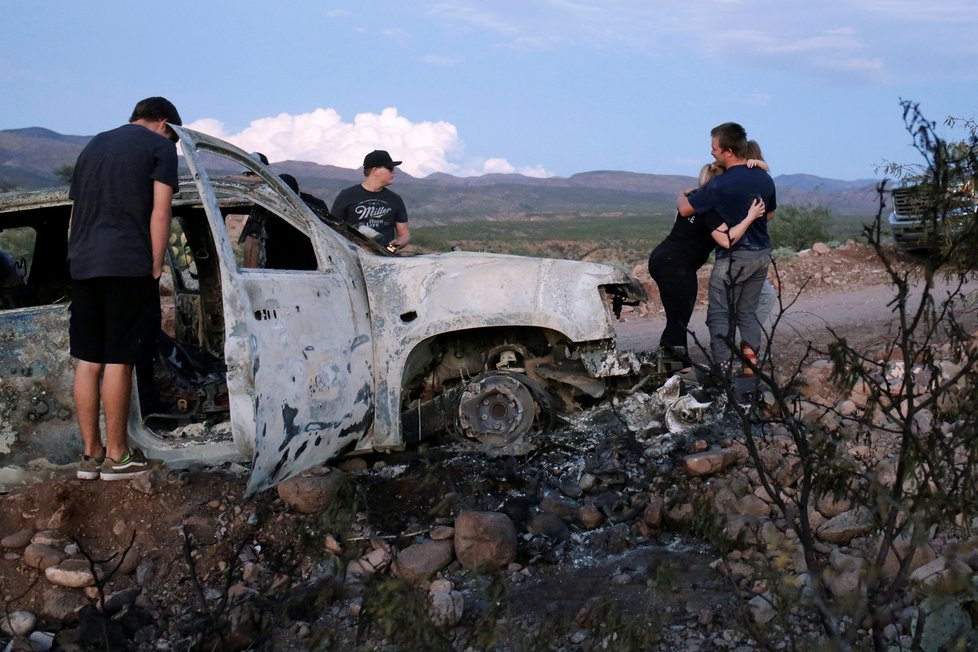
(707, 462)
(652, 516)
(375, 561)
(58, 519)
(846, 526)
(71, 573)
(923, 554)
(447, 607)
(62, 605)
(762, 608)
(829, 506)
(549, 525)
(484, 540)
(418, 562)
(116, 602)
(561, 508)
(752, 506)
(847, 585)
(945, 576)
(129, 562)
(441, 533)
(310, 493)
(38, 555)
(17, 540)
(153, 481)
(589, 516)
(18, 623)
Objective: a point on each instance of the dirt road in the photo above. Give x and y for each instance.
(847, 294)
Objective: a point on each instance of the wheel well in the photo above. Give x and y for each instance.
(451, 358)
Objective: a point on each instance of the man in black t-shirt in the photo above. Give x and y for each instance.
(122, 186)
(371, 208)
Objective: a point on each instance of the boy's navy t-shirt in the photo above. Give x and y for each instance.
(730, 194)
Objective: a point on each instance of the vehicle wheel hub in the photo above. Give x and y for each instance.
(496, 409)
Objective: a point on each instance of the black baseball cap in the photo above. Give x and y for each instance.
(379, 158)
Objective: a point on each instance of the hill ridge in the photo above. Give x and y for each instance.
(29, 157)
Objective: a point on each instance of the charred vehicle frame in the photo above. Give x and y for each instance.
(367, 352)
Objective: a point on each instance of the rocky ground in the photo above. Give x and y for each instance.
(615, 533)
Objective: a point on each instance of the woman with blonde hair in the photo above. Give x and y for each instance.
(674, 262)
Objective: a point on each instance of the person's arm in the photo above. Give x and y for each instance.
(159, 224)
(683, 206)
(403, 235)
(758, 163)
(726, 236)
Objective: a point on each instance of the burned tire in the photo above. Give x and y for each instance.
(498, 409)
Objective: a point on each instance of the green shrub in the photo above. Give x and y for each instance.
(799, 227)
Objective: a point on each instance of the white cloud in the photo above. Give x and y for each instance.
(454, 13)
(758, 98)
(436, 60)
(498, 166)
(535, 171)
(322, 136)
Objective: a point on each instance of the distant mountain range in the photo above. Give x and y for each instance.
(30, 157)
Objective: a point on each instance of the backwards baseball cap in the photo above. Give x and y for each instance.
(379, 158)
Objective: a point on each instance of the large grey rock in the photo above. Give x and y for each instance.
(418, 562)
(484, 540)
(129, 562)
(652, 516)
(846, 526)
(830, 507)
(152, 482)
(945, 576)
(762, 608)
(145, 573)
(62, 605)
(447, 607)
(58, 519)
(17, 540)
(900, 550)
(441, 533)
(375, 561)
(708, 462)
(752, 506)
(549, 525)
(115, 602)
(71, 573)
(559, 507)
(589, 516)
(847, 585)
(18, 623)
(49, 538)
(310, 493)
(38, 555)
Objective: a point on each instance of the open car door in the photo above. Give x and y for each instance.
(297, 343)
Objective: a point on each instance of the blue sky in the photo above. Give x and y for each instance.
(546, 87)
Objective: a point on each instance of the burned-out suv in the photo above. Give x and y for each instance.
(359, 351)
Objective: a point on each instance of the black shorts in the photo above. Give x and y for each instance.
(114, 319)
